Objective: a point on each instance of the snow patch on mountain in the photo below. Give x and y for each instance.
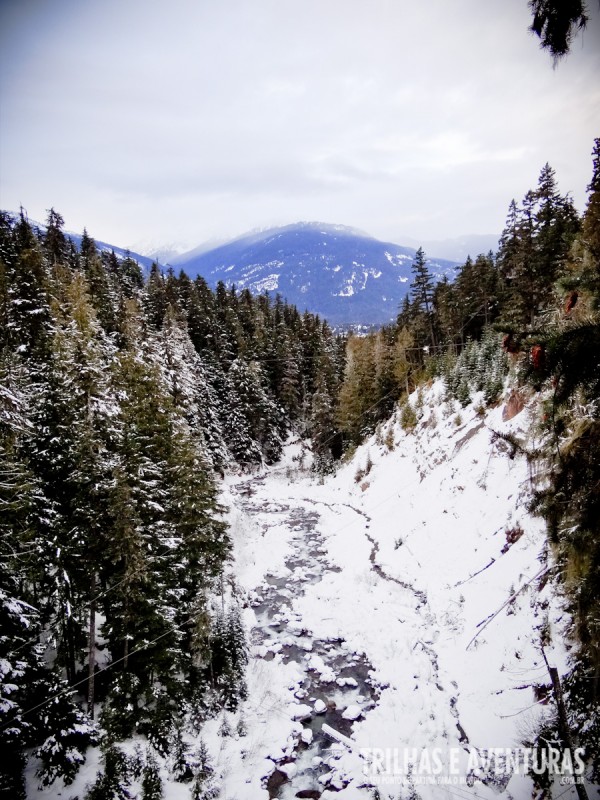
(343, 275)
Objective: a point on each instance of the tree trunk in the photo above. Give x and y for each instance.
(92, 648)
(563, 722)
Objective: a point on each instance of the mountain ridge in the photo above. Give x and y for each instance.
(340, 273)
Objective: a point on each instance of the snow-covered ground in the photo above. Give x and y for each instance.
(390, 614)
(377, 599)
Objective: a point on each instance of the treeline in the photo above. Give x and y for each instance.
(439, 325)
(121, 398)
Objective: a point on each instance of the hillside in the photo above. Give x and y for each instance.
(397, 611)
(144, 260)
(341, 274)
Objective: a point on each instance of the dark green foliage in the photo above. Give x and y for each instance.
(561, 360)
(571, 507)
(481, 367)
(534, 249)
(422, 295)
(17, 668)
(183, 761)
(566, 358)
(159, 716)
(228, 657)
(152, 787)
(69, 734)
(322, 428)
(113, 782)
(121, 712)
(556, 22)
(205, 786)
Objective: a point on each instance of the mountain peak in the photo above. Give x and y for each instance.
(344, 275)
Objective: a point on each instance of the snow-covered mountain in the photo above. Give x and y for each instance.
(342, 274)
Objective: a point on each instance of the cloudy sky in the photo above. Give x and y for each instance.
(183, 120)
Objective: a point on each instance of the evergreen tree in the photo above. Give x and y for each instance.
(422, 293)
(112, 783)
(55, 241)
(533, 250)
(155, 300)
(322, 427)
(228, 657)
(358, 402)
(556, 23)
(152, 787)
(254, 423)
(29, 323)
(205, 786)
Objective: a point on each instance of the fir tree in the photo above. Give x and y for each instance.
(205, 786)
(152, 786)
(422, 293)
(155, 301)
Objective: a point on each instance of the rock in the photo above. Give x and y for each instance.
(352, 713)
(309, 794)
(276, 780)
(319, 707)
(307, 735)
(514, 405)
(300, 711)
(346, 682)
(289, 769)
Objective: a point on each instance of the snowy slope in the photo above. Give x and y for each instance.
(415, 562)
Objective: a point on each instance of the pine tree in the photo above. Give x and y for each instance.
(55, 241)
(155, 301)
(183, 762)
(322, 427)
(191, 387)
(422, 293)
(142, 600)
(205, 786)
(29, 323)
(533, 250)
(152, 786)
(356, 413)
(583, 279)
(254, 423)
(228, 657)
(69, 455)
(103, 295)
(112, 783)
